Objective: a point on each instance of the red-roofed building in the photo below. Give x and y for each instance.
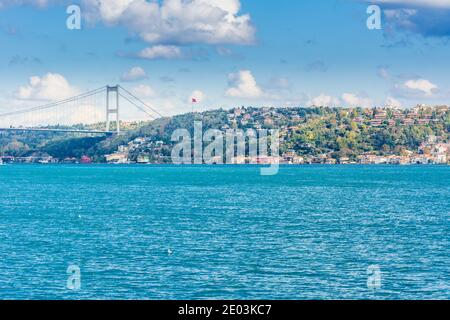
(85, 160)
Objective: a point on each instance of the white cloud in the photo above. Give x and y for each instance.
(242, 84)
(51, 87)
(354, 100)
(197, 95)
(144, 91)
(109, 11)
(416, 89)
(423, 85)
(161, 52)
(392, 102)
(134, 74)
(324, 100)
(176, 21)
(168, 21)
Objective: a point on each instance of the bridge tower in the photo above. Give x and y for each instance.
(112, 109)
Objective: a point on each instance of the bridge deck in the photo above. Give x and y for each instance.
(57, 130)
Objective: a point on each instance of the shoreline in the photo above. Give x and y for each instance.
(234, 165)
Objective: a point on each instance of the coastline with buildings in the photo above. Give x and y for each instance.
(429, 153)
(316, 135)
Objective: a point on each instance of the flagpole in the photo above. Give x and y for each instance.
(193, 101)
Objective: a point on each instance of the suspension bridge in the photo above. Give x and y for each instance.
(99, 111)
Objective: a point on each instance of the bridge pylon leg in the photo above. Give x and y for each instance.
(112, 110)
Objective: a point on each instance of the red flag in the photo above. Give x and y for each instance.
(194, 100)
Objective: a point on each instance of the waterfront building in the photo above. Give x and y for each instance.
(118, 157)
(143, 159)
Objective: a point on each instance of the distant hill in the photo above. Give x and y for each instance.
(306, 131)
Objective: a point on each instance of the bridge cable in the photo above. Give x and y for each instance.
(55, 104)
(139, 107)
(146, 105)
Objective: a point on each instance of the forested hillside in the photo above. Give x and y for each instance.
(307, 131)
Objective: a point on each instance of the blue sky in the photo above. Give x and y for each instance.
(228, 53)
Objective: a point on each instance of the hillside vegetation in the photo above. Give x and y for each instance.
(306, 131)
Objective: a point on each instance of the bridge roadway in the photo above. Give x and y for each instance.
(58, 130)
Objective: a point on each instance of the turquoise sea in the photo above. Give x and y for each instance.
(224, 232)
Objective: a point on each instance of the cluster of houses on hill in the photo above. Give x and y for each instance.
(375, 117)
(419, 115)
(433, 151)
(146, 150)
(287, 119)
